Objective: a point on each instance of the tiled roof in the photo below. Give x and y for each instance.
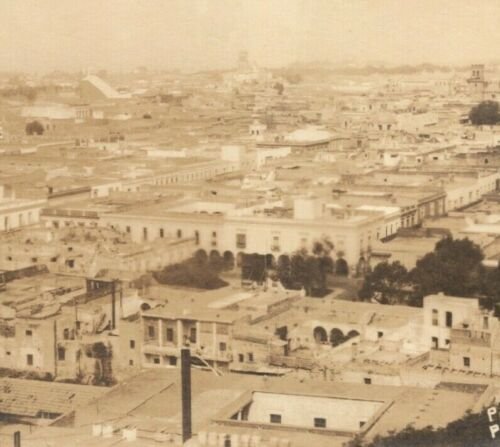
(29, 397)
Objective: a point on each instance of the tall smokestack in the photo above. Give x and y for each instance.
(186, 394)
(113, 304)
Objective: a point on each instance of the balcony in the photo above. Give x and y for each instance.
(170, 349)
(152, 347)
(470, 337)
(211, 354)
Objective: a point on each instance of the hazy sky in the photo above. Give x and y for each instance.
(199, 34)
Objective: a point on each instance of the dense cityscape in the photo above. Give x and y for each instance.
(250, 256)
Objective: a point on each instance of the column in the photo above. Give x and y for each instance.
(179, 334)
(214, 339)
(160, 332)
(198, 335)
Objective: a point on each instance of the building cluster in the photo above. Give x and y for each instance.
(106, 182)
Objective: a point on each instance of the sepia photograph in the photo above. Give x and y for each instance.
(249, 223)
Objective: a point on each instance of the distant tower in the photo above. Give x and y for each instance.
(477, 72)
(476, 81)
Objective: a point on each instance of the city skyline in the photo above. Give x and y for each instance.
(199, 34)
(249, 223)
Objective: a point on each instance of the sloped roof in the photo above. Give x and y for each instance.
(29, 397)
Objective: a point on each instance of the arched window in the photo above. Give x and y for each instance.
(320, 335)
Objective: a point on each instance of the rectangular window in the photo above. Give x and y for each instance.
(485, 322)
(241, 240)
(131, 362)
(435, 315)
(275, 418)
(151, 332)
(156, 360)
(132, 344)
(192, 335)
(435, 342)
(250, 356)
(449, 319)
(467, 362)
(179, 234)
(222, 347)
(241, 358)
(275, 245)
(29, 332)
(145, 234)
(170, 334)
(162, 233)
(380, 334)
(320, 422)
(29, 359)
(61, 354)
(127, 229)
(367, 381)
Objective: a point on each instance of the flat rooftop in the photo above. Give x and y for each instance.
(145, 407)
(225, 305)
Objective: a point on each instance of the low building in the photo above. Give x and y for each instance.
(61, 331)
(232, 228)
(224, 329)
(18, 213)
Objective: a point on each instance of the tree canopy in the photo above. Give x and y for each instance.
(387, 283)
(34, 127)
(470, 430)
(302, 269)
(279, 87)
(307, 270)
(199, 272)
(486, 112)
(454, 268)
